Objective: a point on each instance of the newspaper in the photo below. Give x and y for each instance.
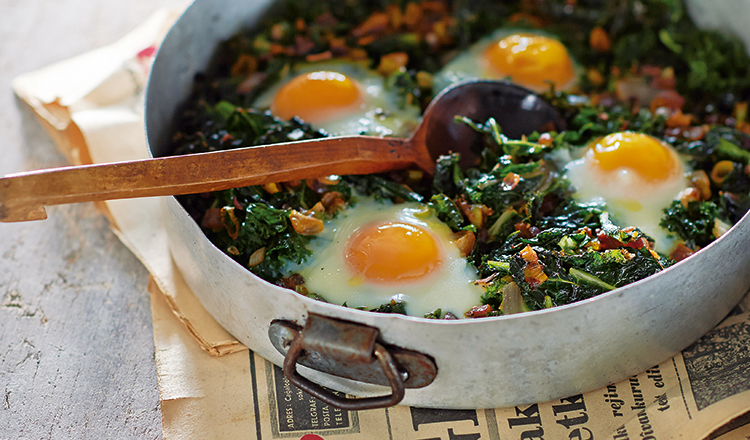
(690, 396)
(212, 386)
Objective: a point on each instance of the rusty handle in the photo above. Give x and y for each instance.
(388, 365)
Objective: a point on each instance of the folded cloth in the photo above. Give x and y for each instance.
(92, 106)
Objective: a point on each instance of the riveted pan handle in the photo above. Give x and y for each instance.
(389, 367)
(350, 350)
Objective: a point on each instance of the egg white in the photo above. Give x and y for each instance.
(629, 199)
(378, 115)
(470, 64)
(450, 288)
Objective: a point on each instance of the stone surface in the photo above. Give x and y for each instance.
(76, 343)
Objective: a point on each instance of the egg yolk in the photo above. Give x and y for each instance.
(317, 97)
(530, 60)
(645, 155)
(392, 252)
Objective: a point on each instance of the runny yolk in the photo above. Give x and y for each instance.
(392, 252)
(317, 97)
(645, 155)
(530, 60)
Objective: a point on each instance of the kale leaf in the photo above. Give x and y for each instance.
(447, 211)
(264, 229)
(694, 224)
(394, 306)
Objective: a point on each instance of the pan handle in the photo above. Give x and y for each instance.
(351, 350)
(387, 364)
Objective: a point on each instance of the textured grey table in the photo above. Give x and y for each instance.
(76, 343)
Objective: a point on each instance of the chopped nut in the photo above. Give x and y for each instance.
(338, 46)
(524, 229)
(510, 181)
(465, 242)
(375, 23)
(475, 214)
(395, 16)
(316, 210)
(412, 14)
(669, 99)
(291, 282)
(337, 205)
(680, 252)
(599, 40)
(300, 25)
(327, 55)
(333, 201)
(694, 133)
(330, 180)
(701, 181)
(679, 119)
(316, 185)
(279, 30)
(595, 77)
(246, 65)
(305, 225)
(257, 257)
(276, 49)
(529, 255)
(392, 62)
(440, 29)
(292, 184)
(721, 170)
(545, 139)
(665, 79)
(227, 138)
(533, 273)
(358, 54)
(478, 311)
(271, 188)
(688, 195)
(364, 41)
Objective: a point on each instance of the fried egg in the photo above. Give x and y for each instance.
(343, 98)
(637, 176)
(375, 252)
(528, 59)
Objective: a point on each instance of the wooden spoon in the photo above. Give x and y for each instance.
(23, 196)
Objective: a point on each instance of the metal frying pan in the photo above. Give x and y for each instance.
(492, 362)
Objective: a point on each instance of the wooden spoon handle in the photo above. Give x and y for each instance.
(23, 196)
